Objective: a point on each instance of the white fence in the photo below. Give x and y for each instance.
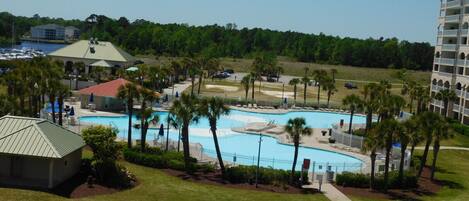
(345, 138)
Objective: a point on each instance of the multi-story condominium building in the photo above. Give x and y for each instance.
(54, 32)
(451, 65)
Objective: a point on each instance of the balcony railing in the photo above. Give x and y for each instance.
(444, 61)
(464, 32)
(437, 103)
(461, 62)
(454, 3)
(452, 18)
(448, 47)
(456, 107)
(458, 92)
(467, 95)
(466, 111)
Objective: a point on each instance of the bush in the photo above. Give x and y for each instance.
(359, 180)
(154, 157)
(247, 174)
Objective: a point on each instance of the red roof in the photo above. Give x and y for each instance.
(108, 89)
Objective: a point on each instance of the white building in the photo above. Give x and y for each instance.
(451, 65)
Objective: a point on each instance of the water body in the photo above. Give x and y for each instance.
(44, 47)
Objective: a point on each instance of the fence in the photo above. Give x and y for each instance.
(203, 154)
(346, 139)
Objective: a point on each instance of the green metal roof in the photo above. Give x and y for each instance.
(36, 137)
(84, 49)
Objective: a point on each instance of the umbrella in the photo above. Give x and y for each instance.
(132, 69)
(285, 101)
(177, 94)
(161, 132)
(72, 112)
(91, 97)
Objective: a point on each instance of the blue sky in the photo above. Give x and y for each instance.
(413, 20)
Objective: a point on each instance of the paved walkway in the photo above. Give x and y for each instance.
(329, 191)
(446, 148)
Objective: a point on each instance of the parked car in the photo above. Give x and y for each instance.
(230, 71)
(271, 79)
(350, 85)
(221, 75)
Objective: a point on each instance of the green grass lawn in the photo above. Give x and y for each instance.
(157, 185)
(295, 68)
(336, 99)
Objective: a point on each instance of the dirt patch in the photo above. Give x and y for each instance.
(426, 188)
(214, 178)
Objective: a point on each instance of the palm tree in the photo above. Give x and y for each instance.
(370, 93)
(185, 110)
(129, 92)
(254, 76)
(52, 95)
(410, 127)
(442, 132)
(213, 108)
(388, 128)
(193, 70)
(319, 77)
(62, 92)
(246, 82)
(423, 98)
(294, 82)
(409, 88)
(305, 80)
(427, 122)
(146, 115)
(329, 86)
(372, 143)
(446, 96)
(296, 128)
(334, 72)
(354, 102)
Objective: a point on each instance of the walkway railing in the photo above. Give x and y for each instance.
(346, 139)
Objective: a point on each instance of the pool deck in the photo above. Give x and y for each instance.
(316, 140)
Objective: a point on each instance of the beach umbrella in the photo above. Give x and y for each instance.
(72, 111)
(285, 101)
(91, 97)
(161, 132)
(177, 94)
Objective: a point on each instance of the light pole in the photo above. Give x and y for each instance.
(258, 158)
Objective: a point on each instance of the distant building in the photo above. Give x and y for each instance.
(72, 33)
(37, 153)
(48, 32)
(451, 62)
(54, 32)
(93, 53)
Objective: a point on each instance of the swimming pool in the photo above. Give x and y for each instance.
(242, 148)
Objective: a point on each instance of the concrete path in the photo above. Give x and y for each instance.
(329, 191)
(446, 148)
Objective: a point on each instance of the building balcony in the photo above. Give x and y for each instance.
(466, 111)
(456, 107)
(452, 18)
(444, 61)
(458, 92)
(448, 47)
(453, 4)
(437, 103)
(461, 62)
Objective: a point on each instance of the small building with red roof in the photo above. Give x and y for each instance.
(103, 96)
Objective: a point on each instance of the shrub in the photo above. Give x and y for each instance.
(154, 157)
(359, 180)
(247, 174)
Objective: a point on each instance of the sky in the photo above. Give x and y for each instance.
(412, 20)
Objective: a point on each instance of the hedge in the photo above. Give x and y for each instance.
(247, 174)
(359, 180)
(156, 158)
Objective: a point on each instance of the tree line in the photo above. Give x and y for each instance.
(182, 40)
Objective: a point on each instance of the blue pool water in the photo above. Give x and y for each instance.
(244, 147)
